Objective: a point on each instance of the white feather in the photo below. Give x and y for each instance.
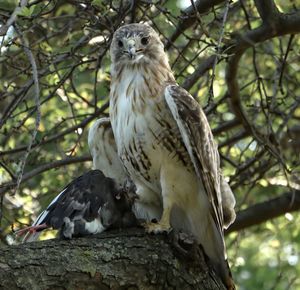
(31, 237)
(94, 227)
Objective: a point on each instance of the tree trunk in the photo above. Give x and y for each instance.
(126, 259)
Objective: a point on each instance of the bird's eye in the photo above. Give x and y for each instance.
(120, 43)
(145, 40)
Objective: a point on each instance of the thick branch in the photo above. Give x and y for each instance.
(267, 10)
(226, 126)
(267, 210)
(126, 259)
(200, 70)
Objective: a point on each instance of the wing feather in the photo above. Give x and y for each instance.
(198, 139)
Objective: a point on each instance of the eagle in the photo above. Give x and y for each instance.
(166, 146)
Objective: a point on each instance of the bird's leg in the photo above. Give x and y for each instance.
(167, 194)
(31, 229)
(163, 226)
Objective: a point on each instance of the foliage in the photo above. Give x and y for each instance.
(69, 42)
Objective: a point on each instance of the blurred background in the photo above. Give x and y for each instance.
(54, 82)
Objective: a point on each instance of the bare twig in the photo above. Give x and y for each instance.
(284, 61)
(37, 103)
(42, 168)
(13, 17)
(188, 17)
(204, 66)
(218, 50)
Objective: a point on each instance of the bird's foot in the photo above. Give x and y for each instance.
(157, 228)
(184, 244)
(31, 229)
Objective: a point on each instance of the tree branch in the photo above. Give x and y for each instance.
(35, 77)
(189, 16)
(55, 164)
(50, 139)
(267, 10)
(261, 212)
(282, 24)
(13, 17)
(204, 66)
(121, 259)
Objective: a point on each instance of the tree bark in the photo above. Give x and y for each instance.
(122, 259)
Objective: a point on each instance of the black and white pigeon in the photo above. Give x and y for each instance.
(88, 205)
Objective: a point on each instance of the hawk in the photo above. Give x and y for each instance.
(105, 158)
(166, 145)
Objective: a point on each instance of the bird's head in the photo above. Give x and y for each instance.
(135, 43)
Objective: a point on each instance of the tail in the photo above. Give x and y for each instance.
(211, 239)
(214, 248)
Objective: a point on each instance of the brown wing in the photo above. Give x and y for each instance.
(199, 142)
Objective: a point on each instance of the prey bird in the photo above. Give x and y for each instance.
(90, 204)
(166, 146)
(98, 200)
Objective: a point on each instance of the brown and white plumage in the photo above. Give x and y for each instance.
(105, 158)
(166, 145)
(104, 152)
(103, 149)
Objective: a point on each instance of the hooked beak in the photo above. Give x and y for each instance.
(131, 48)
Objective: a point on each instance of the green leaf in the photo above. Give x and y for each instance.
(26, 12)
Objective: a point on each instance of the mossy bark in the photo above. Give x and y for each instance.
(127, 259)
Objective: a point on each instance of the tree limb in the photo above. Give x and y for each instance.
(125, 259)
(285, 24)
(281, 24)
(54, 137)
(42, 168)
(189, 16)
(36, 82)
(204, 66)
(261, 212)
(267, 10)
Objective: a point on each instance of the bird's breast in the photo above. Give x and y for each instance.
(144, 129)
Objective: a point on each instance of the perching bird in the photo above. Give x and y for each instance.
(166, 145)
(90, 204)
(105, 157)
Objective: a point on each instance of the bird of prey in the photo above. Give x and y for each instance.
(88, 205)
(105, 158)
(166, 145)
